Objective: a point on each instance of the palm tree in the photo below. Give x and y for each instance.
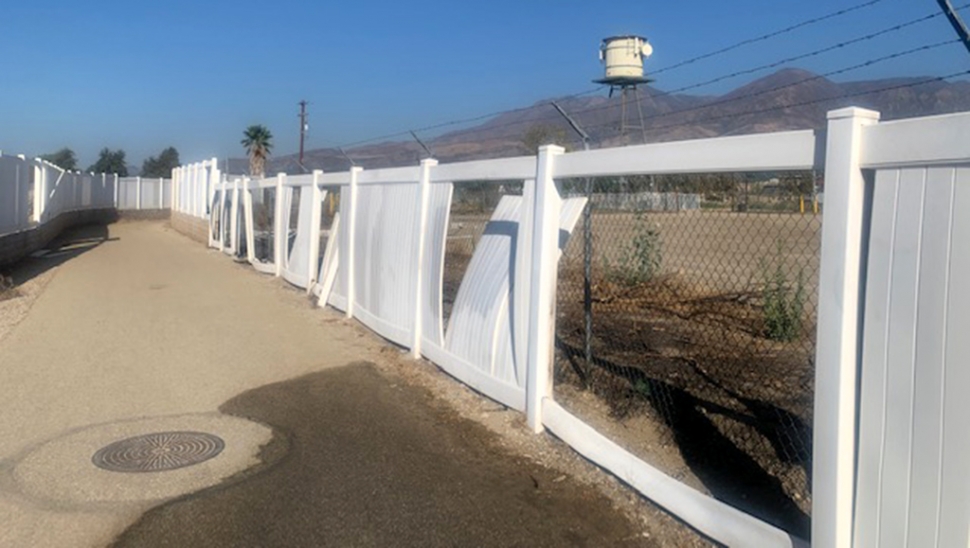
(258, 142)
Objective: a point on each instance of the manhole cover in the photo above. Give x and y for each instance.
(158, 452)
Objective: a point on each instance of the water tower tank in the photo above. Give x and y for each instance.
(623, 57)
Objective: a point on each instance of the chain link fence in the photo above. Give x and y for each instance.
(686, 314)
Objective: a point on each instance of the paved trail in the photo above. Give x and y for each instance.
(149, 331)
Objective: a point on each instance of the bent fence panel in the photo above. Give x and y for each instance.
(478, 344)
(432, 321)
(330, 264)
(385, 259)
(297, 269)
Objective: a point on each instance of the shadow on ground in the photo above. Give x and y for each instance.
(70, 244)
(371, 463)
(728, 472)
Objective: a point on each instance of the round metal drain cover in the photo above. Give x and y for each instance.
(158, 452)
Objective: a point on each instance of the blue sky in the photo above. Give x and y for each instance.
(192, 74)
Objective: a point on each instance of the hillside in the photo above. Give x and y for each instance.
(787, 99)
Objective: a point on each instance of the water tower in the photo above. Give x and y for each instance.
(623, 57)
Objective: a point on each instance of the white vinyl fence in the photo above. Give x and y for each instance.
(893, 301)
(136, 193)
(33, 192)
(193, 187)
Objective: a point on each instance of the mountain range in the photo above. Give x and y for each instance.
(788, 99)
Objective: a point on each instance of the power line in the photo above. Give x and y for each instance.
(768, 36)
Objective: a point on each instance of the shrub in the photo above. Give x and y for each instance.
(642, 257)
(783, 305)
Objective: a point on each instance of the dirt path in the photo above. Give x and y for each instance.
(145, 325)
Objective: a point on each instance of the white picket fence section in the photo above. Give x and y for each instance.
(33, 192)
(890, 448)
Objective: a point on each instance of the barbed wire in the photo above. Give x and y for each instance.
(554, 116)
(810, 54)
(768, 36)
(824, 75)
(739, 98)
(817, 101)
(840, 45)
(463, 121)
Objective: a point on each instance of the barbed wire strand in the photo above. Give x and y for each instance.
(768, 36)
(553, 116)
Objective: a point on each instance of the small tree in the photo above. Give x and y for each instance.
(63, 158)
(258, 142)
(110, 161)
(161, 166)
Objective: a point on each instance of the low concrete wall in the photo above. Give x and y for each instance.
(193, 227)
(144, 214)
(18, 245)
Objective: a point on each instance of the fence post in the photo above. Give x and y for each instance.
(234, 219)
(174, 190)
(193, 194)
(222, 214)
(161, 193)
(424, 195)
(313, 265)
(541, 222)
(248, 220)
(279, 231)
(837, 351)
(349, 229)
(216, 177)
(138, 192)
(202, 175)
(38, 193)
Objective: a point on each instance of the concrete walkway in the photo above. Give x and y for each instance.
(149, 331)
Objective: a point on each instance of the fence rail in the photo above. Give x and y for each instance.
(706, 315)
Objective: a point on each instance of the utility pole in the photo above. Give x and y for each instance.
(303, 128)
